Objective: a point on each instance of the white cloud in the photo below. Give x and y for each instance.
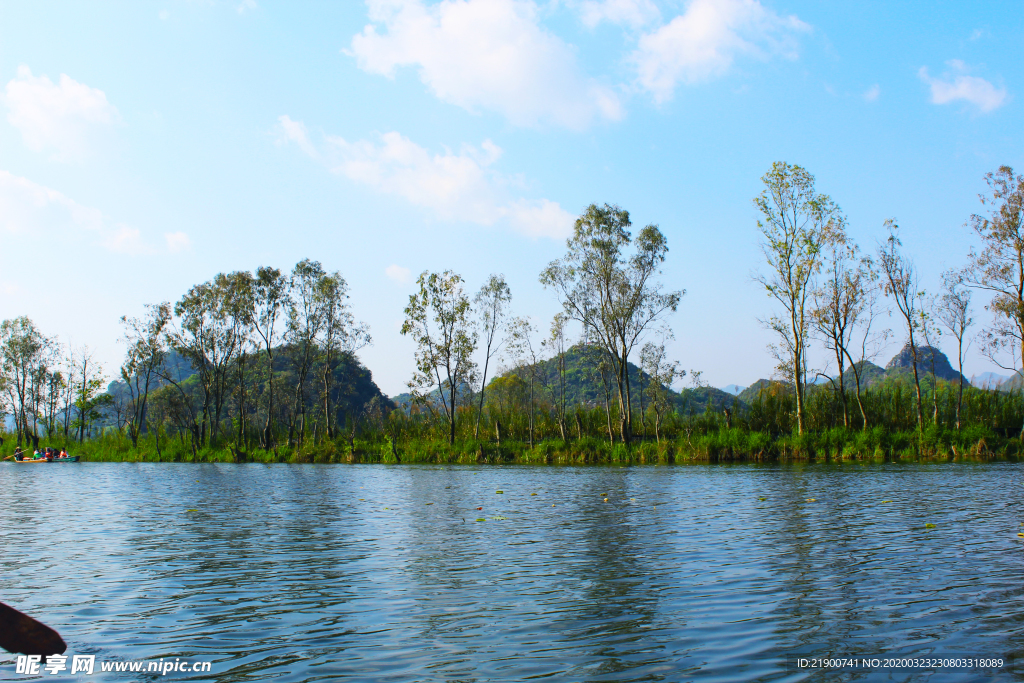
(702, 43)
(398, 274)
(294, 131)
(59, 117)
(485, 54)
(455, 186)
(177, 242)
(634, 13)
(123, 239)
(872, 93)
(959, 86)
(164, 15)
(460, 186)
(33, 210)
(542, 218)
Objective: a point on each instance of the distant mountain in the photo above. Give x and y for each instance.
(1013, 383)
(584, 385)
(988, 380)
(929, 359)
(174, 365)
(404, 399)
(750, 394)
(733, 389)
(869, 374)
(691, 401)
(352, 385)
(901, 365)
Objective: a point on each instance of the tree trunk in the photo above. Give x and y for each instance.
(531, 410)
(799, 387)
(327, 398)
(451, 415)
(483, 388)
(608, 414)
(917, 385)
(267, 430)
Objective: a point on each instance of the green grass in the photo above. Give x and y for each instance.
(712, 445)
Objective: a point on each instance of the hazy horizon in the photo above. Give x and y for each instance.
(147, 146)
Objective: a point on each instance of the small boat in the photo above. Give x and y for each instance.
(72, 458)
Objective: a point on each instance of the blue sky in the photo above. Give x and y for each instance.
(145, 147)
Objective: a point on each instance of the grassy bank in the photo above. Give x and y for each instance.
(723, 445)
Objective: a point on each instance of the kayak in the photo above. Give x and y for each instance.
(73, 458)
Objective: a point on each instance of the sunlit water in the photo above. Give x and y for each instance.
(383, 573)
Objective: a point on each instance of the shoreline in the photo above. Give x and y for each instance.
(724, 446)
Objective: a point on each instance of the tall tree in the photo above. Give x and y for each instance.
(438, 320)
(341, 336)
(305, 322)
(270, 297)
(930, 332)
(22, 346)
(146, 352)
(522, 351)
(55, 386)
(88, 382)
(615, 296)
(796, 225)
(662, 373)
(840, 303)
(999, 267)
(557, 342)
(492, 303)
(869, 342)
(901, 283)
(953, 309)
(212, 326)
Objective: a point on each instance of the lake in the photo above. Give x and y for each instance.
(384, 573)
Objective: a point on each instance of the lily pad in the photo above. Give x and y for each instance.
(499, 491)
(929, 525)
(480, 519)
(192, 510)
(812, 500)
(762, 499)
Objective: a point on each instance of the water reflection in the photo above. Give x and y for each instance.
(379, 573)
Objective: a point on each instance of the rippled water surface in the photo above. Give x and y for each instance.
(383, 573)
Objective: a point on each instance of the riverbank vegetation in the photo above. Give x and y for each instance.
(263, 366)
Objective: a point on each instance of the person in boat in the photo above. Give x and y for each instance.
(19, 454)
(63, 453)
